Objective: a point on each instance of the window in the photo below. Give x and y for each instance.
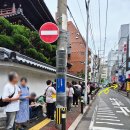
(82, 53)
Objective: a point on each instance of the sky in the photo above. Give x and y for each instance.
(118, 14)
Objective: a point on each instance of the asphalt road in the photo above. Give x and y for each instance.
(108, 112)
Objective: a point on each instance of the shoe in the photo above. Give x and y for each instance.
(52, 120)
(72, 106)
(44, 115)
(24, 126)
(76, 105)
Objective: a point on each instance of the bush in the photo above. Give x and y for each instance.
(22, 30)
(6, 41)
(22, 39)
(41, 57)
(21, 42)
(32, 52)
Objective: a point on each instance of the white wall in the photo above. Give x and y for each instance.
(36, 78)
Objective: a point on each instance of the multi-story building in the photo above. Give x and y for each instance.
(103, 71)
(112, 58)
(78, 47)
(122, 46)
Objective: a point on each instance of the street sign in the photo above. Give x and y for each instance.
(122, 78)
(60, 85)
(49, 32)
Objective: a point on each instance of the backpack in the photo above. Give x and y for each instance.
(77, 91)
(2, 103)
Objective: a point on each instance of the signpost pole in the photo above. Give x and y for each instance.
(61, 61)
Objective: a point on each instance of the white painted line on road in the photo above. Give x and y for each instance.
(105, 112)
(105, 128)
(93, 119)
(104, 108)
(110, 123)
(106, 116)
(54, 32)
(107, 119)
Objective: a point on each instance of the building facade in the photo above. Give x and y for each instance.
(78, 49)
(112, 58)
(30, 13)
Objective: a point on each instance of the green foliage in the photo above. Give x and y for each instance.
(22, 30)
(22, 39)
(21, 43)
(31, 52)
(6, 41)
(41, 57)
(5, 26)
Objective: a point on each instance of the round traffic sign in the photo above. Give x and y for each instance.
(49, 32)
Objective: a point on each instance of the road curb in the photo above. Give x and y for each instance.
(79, 118)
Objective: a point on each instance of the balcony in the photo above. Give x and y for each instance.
(89, 60)
(89, 69)
(89, 51)
(8, 11)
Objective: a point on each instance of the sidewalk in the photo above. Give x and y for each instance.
(46, 124)
(73, 117)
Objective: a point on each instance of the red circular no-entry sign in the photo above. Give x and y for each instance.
(49, 32)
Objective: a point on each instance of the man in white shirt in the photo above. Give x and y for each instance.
(11, 88)
(50, 91)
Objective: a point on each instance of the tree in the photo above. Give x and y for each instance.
(21, 43)
(31, 52)
(22, 30)
(6, 41)
(5, 27)
(22, 39)
(42, 58)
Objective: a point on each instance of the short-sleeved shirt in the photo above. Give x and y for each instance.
(50, 91)
(69, 92)
(9, 89)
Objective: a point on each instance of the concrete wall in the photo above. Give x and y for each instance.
(36, 77)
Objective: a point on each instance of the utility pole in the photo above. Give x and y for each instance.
(86, 59)
(99, 66)
(61, 64)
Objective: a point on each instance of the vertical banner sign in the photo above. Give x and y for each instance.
(60, 85)
(128, 86)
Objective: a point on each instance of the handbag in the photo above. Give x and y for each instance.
(45, 95)
(2, 103)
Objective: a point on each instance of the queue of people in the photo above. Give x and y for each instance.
(23, 106)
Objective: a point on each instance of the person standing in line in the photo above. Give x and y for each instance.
(77, 93)
(69, 93)
(11, 88)
(88, 93)
(22, 115)
(49, 92)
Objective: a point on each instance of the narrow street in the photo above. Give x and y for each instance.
(108, 112)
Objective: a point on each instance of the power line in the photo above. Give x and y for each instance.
(92, 36)
(81, 13)
(100, 23)
(106, 27)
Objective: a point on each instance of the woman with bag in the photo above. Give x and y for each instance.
(22, 115)
(69, 93)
